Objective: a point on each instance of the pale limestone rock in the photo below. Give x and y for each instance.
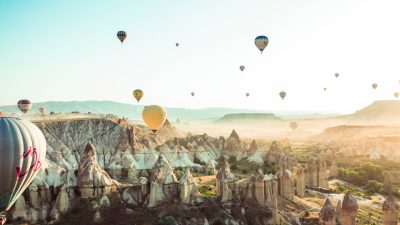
(349, 210)
(322, 174)
(333, 172)
(163, 181)
(97, 217)
(285, 182)
(300, 185)
(19, 210)
(188, 186)
(327, 215)
(225, 182)
(62, 203)
(104, 201)
(91, 178)
(258, 185)
(313, 173)
(210, 167)
(390, 211)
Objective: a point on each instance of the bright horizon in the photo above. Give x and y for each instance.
(68, 51)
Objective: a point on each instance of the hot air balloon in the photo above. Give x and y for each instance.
(241, 68)
(336, 75)
(247, 94)
(374, 85)
(261, 42)
(282, 94)
(121, 35)
(192, 94)
(24, 105)
(22, 154)
(177, 44)
(396, 94)
(293, 125)
(42, 110)
(154, 116)
(138, 94)
(324, 89)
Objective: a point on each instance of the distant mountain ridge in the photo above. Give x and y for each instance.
(131, 111)
(247, 117)
(379, 112)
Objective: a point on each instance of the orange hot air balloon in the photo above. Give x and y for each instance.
(293, 125)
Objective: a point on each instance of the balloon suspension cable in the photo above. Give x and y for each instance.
(3, 217)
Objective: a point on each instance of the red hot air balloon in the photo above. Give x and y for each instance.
(24, 105)
(22, 154)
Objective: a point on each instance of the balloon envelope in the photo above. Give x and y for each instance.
(192, 94)
(241, 68)
(261, 42)
(138, 94)
(396, 94)
(22, 153)
(121, 35)
(42, 110)
(293, 125)
(324, 89)
(374, 85)
(336, 75)
(282, 94)
(24, 105)
(177, 44)
(154, 116)
(247, 94)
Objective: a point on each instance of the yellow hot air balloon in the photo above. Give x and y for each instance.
(154, 116)
(138, 94)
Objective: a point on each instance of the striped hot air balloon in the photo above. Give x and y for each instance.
(24, 105)
(22, 154)
(261, 42)
(122, 35)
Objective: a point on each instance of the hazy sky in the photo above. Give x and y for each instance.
(68, 50)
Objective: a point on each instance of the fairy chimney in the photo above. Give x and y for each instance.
(327, 214)
(390, 211)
